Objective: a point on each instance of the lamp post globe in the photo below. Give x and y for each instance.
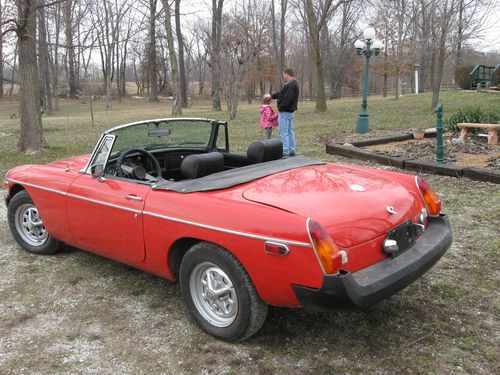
(369, 33)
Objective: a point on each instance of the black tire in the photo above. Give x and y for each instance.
(233, 321)
(27, 227)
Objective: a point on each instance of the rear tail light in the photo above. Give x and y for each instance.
(431, 200)
(330, 256)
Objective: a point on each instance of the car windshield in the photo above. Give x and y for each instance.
(163, 134)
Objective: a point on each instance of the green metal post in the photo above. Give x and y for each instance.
(363, 122)
(439, 135)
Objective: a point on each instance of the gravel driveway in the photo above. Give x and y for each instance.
(77, 313)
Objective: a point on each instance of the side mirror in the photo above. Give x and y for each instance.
(98, 172)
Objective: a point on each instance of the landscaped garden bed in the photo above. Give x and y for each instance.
(473, 159)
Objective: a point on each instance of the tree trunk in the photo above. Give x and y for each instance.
(70, 48)
(118, 70)
(16, 48)
(315, 26)
(153, 69)
(398, 84)
(284, 5)
(279, 51)
(458, 56)
(55, 60)
(176, 105)
(1, 54)
(441, 57)
(215, 53)
(319, 80)
(180, 47)
(31, 138)
(43, 61)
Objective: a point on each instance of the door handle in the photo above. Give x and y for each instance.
(133, 198)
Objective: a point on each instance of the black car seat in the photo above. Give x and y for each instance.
(199, 165)
(267, 150)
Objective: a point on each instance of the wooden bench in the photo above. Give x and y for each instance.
(492, 131)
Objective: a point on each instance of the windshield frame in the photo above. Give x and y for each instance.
(215, 124)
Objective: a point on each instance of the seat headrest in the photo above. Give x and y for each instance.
(199, 165)
(267, 150)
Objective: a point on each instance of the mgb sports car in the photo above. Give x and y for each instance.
(238, 231)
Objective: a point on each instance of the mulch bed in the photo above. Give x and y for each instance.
(475, 152)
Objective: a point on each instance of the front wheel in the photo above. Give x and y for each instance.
(219, 293)
(27, 226)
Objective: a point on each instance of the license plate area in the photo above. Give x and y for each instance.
(405, 235)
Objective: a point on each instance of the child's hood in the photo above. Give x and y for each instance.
(264, 107)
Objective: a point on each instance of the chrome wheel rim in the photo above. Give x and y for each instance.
(213, 294)
(30, 226)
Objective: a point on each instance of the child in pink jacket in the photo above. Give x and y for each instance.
(268, 118)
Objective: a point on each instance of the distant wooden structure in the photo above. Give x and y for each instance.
(481, 76)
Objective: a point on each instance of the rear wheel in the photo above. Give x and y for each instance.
(27, 226)
(219, 293)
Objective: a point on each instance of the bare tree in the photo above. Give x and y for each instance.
(70, 48)
(238, 56)
(341, 41)
(2, 10)
(215, 60)
(43, 61)
(153, 69)
(317, 15)
(279, 51)
(396, 19)
(198, 55)
(180, 48)
(53, 15)
(31, 139)
(107, 16)
(176, 104)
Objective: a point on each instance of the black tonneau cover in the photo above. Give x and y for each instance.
(236, 176)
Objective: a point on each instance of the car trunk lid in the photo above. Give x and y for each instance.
(354, 205)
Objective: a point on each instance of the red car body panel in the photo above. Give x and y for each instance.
(109, 219)
(98, 217)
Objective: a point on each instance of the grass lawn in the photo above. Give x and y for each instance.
(70, 130)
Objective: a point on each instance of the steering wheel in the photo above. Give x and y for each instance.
(137, 172)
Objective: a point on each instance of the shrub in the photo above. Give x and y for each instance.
(462, 76)
(473, 115)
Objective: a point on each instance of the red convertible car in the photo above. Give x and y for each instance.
(239, 232)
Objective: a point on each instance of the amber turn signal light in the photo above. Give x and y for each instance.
(329, 255)
(431, 200)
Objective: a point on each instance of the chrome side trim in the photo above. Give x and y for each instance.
(104, 203)
(38, 187)
(177, 220)
(229, 231)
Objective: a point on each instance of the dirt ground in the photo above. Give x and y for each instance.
(77, 313)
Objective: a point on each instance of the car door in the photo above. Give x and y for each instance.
(106, 216)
